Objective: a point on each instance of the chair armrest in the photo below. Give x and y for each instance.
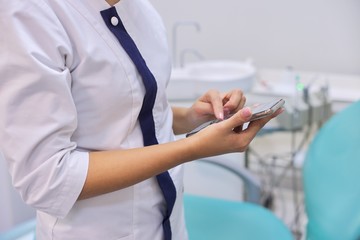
(252, 184)
(26, 228)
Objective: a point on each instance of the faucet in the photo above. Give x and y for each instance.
(174, 36)
(193, 52)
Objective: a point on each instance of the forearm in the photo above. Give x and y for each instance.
(109, 171)
(114, 170)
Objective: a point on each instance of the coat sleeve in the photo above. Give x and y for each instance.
(37, 111)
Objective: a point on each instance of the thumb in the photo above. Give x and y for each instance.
(239, 118)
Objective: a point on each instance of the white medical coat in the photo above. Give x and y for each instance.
(66, 88)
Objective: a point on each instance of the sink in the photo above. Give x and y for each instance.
(195, 79)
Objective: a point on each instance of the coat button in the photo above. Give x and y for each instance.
(114, 21)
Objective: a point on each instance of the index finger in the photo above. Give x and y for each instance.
(234, 100)
(215, 99)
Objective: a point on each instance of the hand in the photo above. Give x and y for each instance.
(215, 105)
(228, 136)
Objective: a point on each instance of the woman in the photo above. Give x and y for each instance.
(72, 97)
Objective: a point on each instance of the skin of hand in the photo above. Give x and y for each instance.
(113, 170)
(112, 2)
(228, 136)
(209, 106)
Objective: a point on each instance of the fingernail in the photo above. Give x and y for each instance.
(246, 112)
(221, 116)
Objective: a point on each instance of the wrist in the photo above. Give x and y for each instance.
(194, 148)
(183, 120)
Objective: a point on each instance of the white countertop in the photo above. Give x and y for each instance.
(342, 87)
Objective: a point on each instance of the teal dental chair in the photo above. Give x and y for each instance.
(210, 218)
(24, 231)
(331, 177)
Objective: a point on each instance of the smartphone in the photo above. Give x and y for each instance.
(258, 111)
(266, 109)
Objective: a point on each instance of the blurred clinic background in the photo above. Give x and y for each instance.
(306, 52)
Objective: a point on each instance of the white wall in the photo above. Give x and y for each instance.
(311, 35)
